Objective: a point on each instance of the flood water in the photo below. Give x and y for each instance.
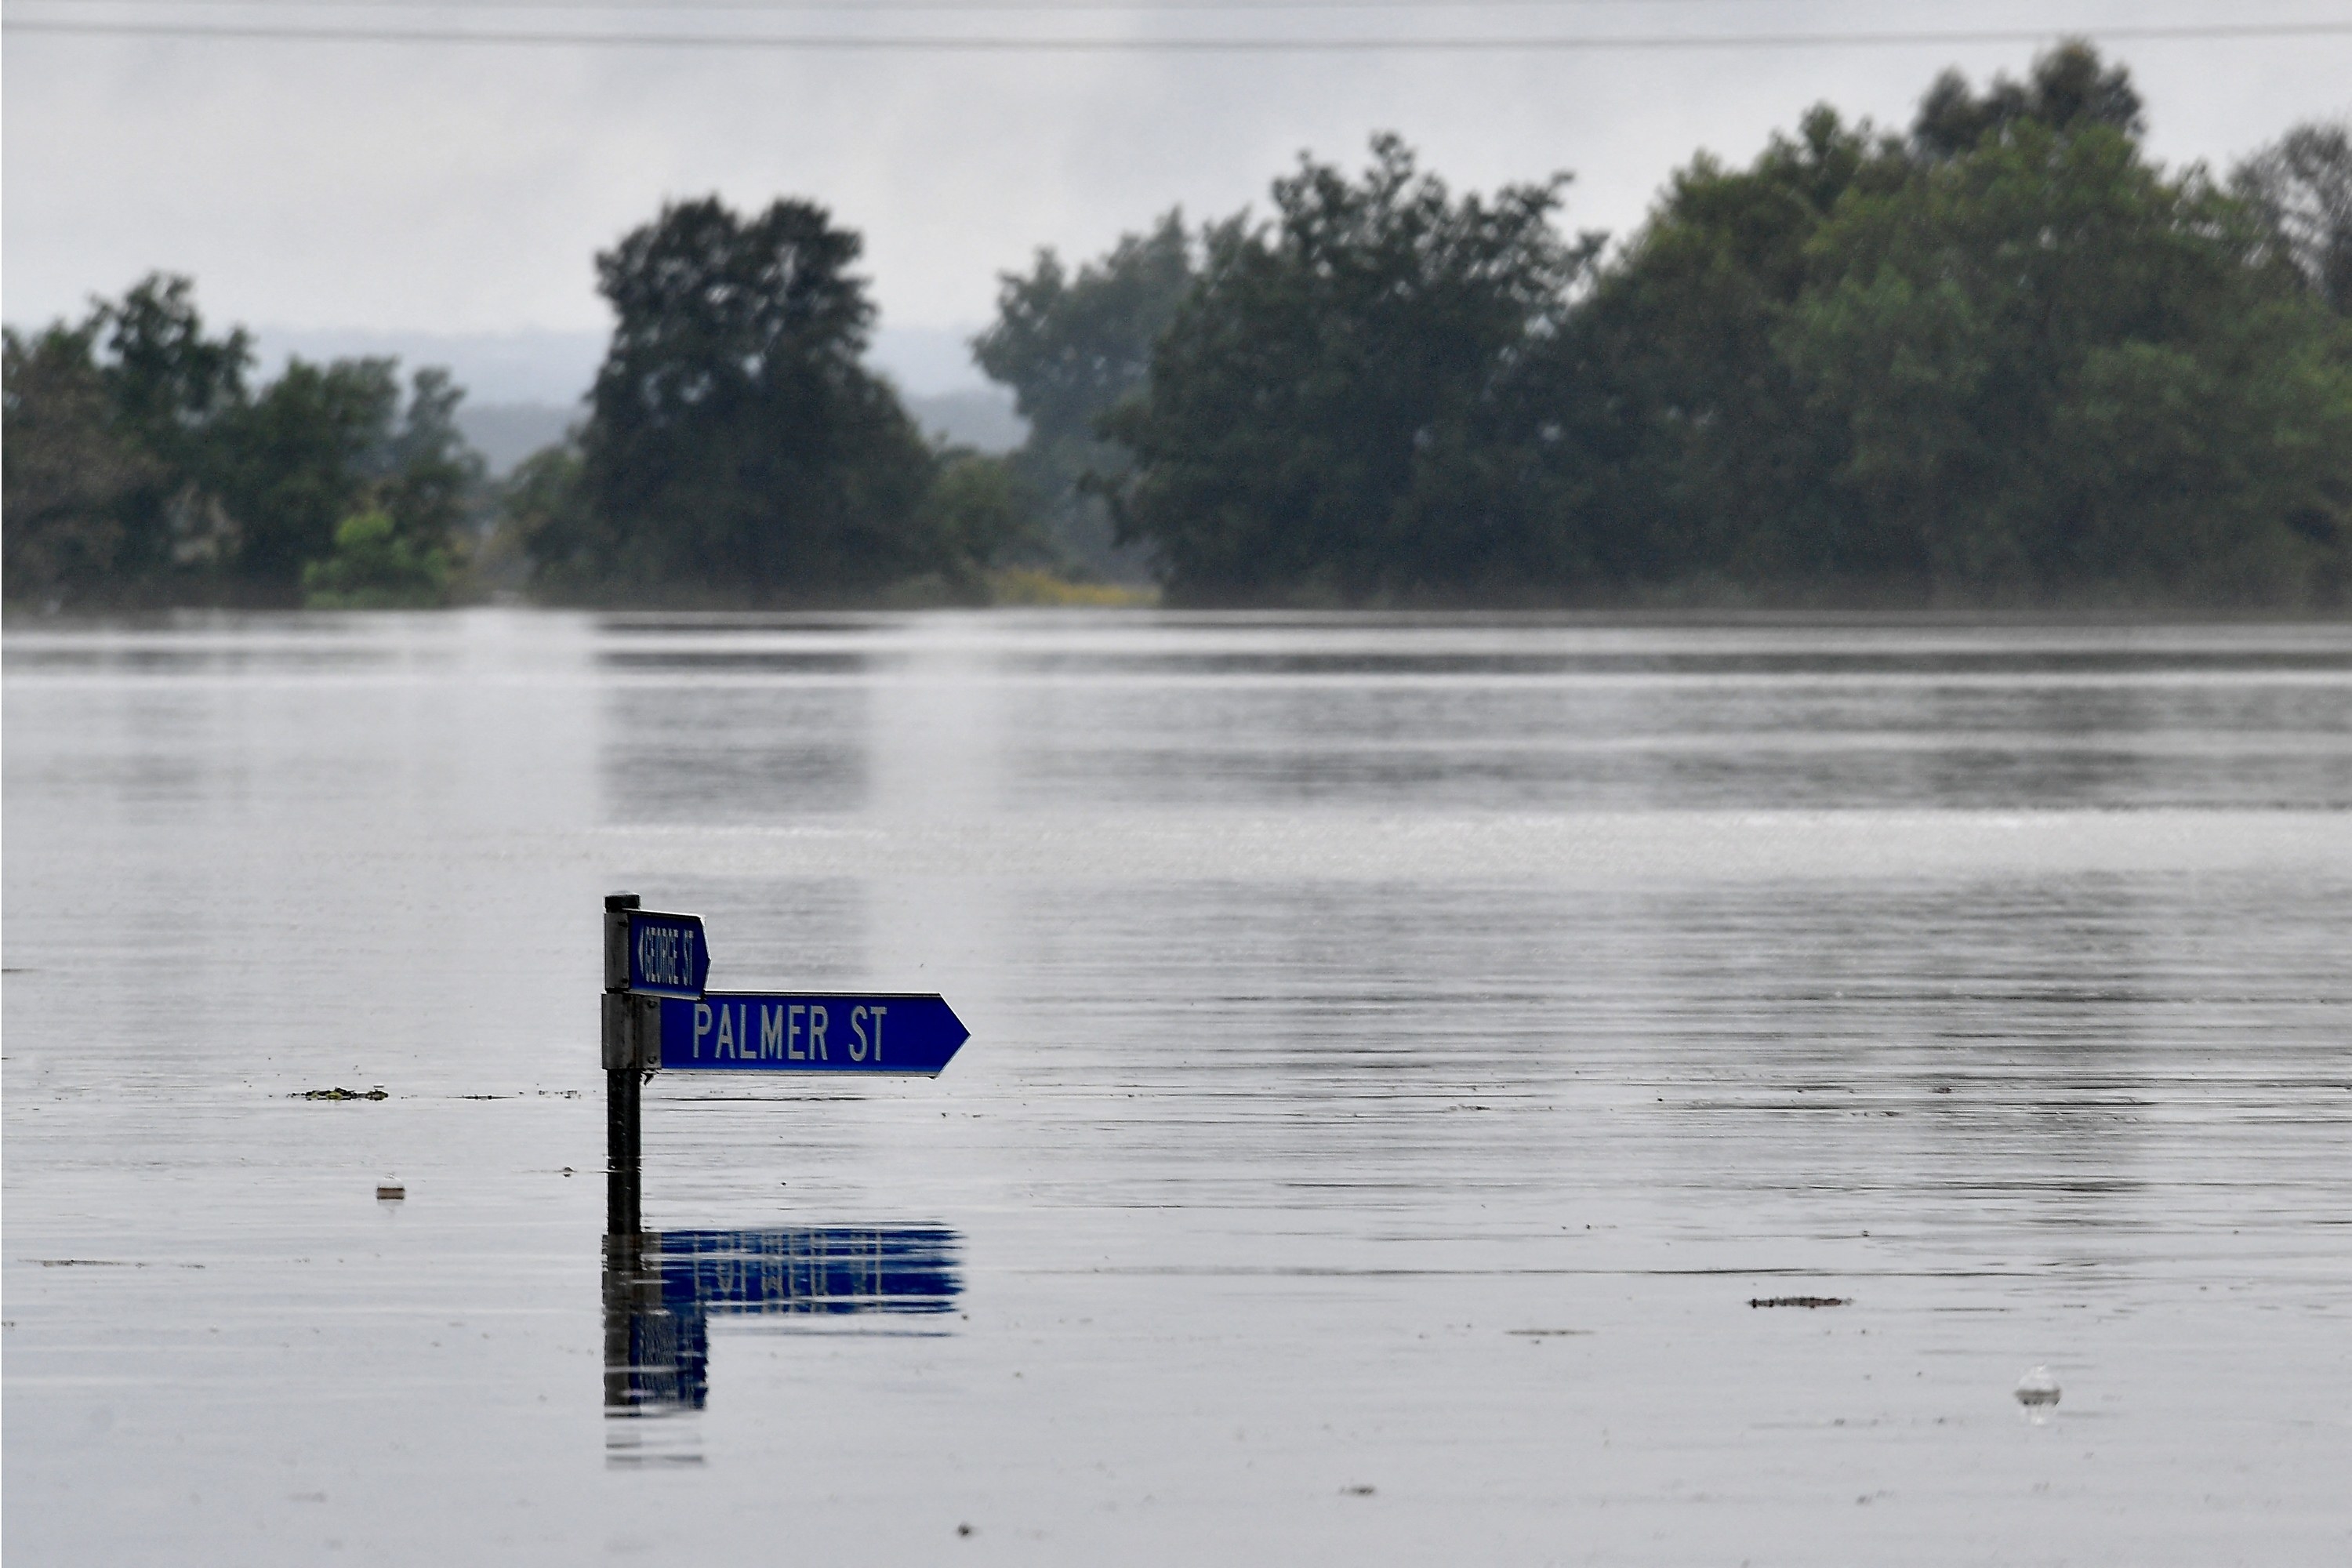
(1403, 1050)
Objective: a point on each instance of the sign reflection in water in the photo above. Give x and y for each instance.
(661, 1289)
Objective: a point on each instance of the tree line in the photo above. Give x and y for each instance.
(2000, 356)
(144, 466)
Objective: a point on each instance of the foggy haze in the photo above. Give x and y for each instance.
(554, 366)
(462, 190)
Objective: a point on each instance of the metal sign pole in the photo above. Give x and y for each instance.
(623, 1074)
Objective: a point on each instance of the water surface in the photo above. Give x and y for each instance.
(1403, 1047)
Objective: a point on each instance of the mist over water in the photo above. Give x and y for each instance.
(1403, 1048)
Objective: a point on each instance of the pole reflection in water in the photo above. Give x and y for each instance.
(661, 1289)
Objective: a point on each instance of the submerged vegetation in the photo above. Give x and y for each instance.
(2001, 357)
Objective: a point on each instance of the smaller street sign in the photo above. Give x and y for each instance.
(803, 1032)
(666, 955)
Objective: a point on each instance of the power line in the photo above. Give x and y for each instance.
(1295, 43)
(860, 7)
(863, 8)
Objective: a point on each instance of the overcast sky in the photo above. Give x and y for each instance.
(464, 189)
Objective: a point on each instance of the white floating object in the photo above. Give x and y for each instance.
(2037, 1387)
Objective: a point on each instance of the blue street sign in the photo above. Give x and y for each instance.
(668, 956)
(760, 1032)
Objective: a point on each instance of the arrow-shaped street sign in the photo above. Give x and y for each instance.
(761, 1031)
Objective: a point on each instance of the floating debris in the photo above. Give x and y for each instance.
(391, 1192)
(964, 1530)
(2037, 1388)
(1801, 1301)
(375, 1093)
(1356, 1492)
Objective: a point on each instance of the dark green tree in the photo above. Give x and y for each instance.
(2004, 357)
(2301, 185)
(2056, 370)
(1320, 364)
(736, 448)
(396, 484)
(291, 465)
(429, 481)
(144, 467)
(540, 514)
(1707, 461)
(981, 509)
(70, 473)
(169, 383)
(1073, 346)
(140, 375)
(2068, 88)
(175, 393)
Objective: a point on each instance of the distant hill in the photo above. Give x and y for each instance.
(507, 433)
(982, 419)
(520, 367)
(519, 386)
